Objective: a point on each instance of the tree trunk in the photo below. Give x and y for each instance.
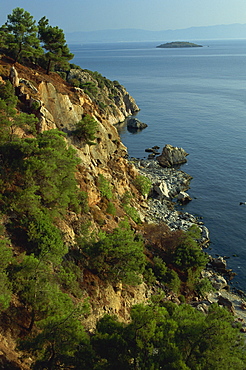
(48, 67)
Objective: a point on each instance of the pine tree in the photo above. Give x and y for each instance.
(53, 40)
(21, 35)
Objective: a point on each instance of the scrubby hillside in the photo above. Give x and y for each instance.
(85, 282)
(74, 244)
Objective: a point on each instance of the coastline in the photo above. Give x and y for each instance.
(167, 184)
(161, 202)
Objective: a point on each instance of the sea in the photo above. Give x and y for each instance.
(194, 98)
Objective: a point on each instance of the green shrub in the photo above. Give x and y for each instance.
(111, 208)
(45, 238)
(86, 129)
(149, 276)
(188, 255)
(62, 74)
(118, 256)
(5, 291)
(172, 280)
(143, 184)
(83, 201)
(102, 105)
(75, 82)
(35, 105)
(203, 287)
(132, 212)
(105, 187)
(166, 275)
(5, 285)
(194, 232)
(160, 268)
(126, 198)
(7, 94)
(69, 276)
(89, 88)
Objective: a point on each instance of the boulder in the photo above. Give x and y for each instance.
(13, 77)
(219, 282)
(226, 303)
(219, 264)
(135, 124)
(162, 189)
(205, 238)
(172, 156)
(184, 197)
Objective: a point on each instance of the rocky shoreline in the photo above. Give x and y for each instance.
(167, 186)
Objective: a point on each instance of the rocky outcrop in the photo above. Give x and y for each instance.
(184, 197)
(61, 106)
(134, 124)
(167, 182)
(113, 300)
(115, 102)
(172, 156)
(225, 302)
(13, 76)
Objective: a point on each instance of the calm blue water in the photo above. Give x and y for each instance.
(195, 99)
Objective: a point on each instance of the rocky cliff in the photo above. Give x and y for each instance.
(59, 105)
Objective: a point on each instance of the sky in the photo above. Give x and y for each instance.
(153, 15)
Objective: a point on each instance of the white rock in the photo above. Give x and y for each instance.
(219, 282)
(162, 189)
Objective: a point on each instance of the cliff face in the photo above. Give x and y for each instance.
(59, 105)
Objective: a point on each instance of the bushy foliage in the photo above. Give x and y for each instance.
(105, 187)
(188, 255)
(7, 94)
(5, 284)
(132, 212)
(86, 129)
(60, 331)
(45, 238)
(69, 277)
(101, 81)
(180, 250)
(89, 88)
(165, 275)
(143, 184)
(10, 120)
(42, 173)
(117, 256)
(203, 287)
(111, 208)
(167, 336)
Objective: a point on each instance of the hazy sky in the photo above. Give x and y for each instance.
(89, 15)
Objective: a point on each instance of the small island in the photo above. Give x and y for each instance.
(179, 44)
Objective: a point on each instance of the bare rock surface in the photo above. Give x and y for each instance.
(172, 156)
(135, 124)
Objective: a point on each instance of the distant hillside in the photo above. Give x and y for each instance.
(231, 31)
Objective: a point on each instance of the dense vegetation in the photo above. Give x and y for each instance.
(41, 273)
